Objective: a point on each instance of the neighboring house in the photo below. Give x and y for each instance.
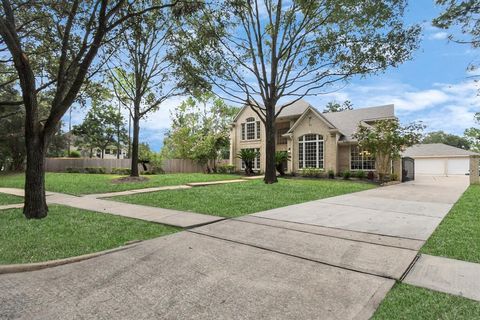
(439, 159)
(313, 139)
(110, 152)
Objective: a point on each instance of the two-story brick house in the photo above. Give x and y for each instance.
(313, 139)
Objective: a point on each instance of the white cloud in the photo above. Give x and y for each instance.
(441, 35)
(443, 106)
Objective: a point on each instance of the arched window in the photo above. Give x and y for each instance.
(310, 151)
(250, 129)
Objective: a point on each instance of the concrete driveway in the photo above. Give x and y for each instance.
(329, 259)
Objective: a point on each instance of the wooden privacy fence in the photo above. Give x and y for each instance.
(61, 164)
(169, 165)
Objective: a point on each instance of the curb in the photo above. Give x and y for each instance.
(27, 267)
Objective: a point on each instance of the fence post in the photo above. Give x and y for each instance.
(474, 170)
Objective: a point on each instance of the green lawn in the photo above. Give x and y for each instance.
(9, 199)
(458, 236)
(406, 302)
(236, 199)
(79, 183)
(68, 232)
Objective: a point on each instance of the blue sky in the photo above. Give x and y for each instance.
(434, 87)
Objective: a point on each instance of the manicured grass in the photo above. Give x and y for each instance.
(406, 302)
(458, 236)
(237, 199)
(79, 183)
(9, 199)
(68, 232)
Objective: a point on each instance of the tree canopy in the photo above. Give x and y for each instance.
(200, 130)
(386, 139)
(262, 51)
(447, 138)
(334, 106)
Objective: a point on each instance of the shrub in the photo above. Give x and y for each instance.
(331, 174)
(360, 174)
(248, 156)
(74, 170)
(226, 168)
(347, 175)
(280, 158)
(153, 170)
(312, 172)
(370, 175)
(74, 154)
(393, 177)
(121, 171)
(95, 170)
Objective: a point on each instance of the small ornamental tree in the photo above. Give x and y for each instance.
(280, 158)
(248, 156)
(386, 139)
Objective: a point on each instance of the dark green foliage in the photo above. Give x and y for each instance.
(281, 158)
(360, 174)
(74, 154)
(346, 175)
(248, 156)
(312, 172)
(331, 174)
(226, 168)
(100, 128)
(446, 138)
(121, 171)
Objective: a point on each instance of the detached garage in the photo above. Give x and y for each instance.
(439, 159)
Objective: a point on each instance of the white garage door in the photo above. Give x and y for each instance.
(442, 166)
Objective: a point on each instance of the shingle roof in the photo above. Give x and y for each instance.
(435, 150)
(347, 121)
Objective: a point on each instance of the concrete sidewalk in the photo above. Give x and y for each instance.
(159, 215)
(451, 276)
(192, 276)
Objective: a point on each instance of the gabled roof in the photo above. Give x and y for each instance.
(435, 150)
(347, 121)
(315, 112)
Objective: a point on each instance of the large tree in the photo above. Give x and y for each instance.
(143, 75)
(446, 138)
(466, 15)
(200, 128)
(103, 126)
(54, 45)
(262, 52)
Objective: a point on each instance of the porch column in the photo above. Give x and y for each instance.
(474, 172)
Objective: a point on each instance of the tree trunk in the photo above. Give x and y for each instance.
(35, 201)
(136, 132)
(270, 168)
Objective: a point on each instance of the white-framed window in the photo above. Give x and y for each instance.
(256, 163)
(361, 159)
(250, 129)
(310, 151)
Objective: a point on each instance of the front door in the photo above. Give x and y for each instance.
(408, 169)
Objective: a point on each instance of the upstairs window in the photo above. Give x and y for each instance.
(251, 129)
(361, 159)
